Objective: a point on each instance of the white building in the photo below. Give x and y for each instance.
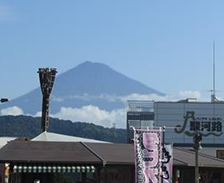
(181, 119)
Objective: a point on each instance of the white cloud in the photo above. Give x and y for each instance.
(154, 97)
(190, 94)
(38, 114)
(57, 99)
(134, 96)
(94, 115)
(105, 118)
(14, 111)
(151, 97)
(6, 13)
(87, 97)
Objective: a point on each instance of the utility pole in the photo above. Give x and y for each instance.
(197, 146)
(47, 77)
(213, 96)
(163, 151)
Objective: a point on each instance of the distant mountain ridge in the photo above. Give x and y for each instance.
(87, 84)
(29, 127)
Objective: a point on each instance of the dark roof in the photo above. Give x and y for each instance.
(186, 157)
(114, 153)
(124, 154)
(50, 152)
(91, 153)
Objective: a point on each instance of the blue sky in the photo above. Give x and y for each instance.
(166, 45)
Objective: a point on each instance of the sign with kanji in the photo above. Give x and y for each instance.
(205, 125)
(168, 164)
(148, 153)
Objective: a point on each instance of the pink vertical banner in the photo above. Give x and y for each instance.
(148, 155)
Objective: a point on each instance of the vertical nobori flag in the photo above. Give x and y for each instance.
(148, 155)
(168, 163)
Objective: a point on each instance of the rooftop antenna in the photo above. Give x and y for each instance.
(213, 98)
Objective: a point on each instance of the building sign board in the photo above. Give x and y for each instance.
(204, 125)
(183, 119)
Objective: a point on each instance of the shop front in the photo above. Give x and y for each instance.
(67, 162)
(78, 162)
(38, 172)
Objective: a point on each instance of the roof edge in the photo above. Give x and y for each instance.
(104, 162)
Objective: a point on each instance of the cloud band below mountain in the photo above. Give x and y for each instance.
(94, 114)
(134, 96)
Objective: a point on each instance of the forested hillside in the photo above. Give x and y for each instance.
(27, 126)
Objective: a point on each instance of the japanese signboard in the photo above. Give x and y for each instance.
(205, 125)
(148, 153)
(183, 119)
(167, 174)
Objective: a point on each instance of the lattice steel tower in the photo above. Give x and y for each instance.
(47, 77)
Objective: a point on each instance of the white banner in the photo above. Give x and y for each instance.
(168, 159)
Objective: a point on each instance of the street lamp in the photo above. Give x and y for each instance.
(4, 100)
